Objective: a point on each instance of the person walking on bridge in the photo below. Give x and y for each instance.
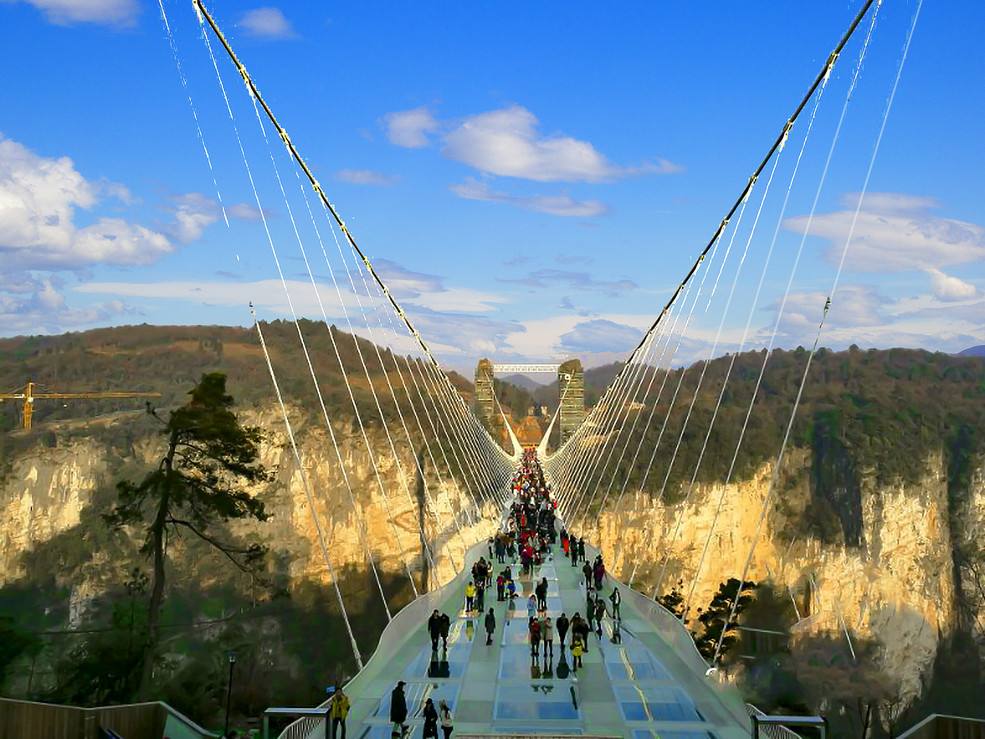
(541, 593)
(547, 636)
(581, 549)
(444, 626)
(562, 629)
(534, 629)
(469, 596)
(587, 571)
(398, 709)
(490, 626)
(577, 649)
(339, 710)
(616, 599)
(599, 615)
(599, 572)
(434, 629)
(430, 714)
(444, 714)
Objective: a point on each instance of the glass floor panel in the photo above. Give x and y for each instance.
(633, 663)
(650, 734)
(439, 664)
(419, 692)
(655, 703)
(516, 663)
(384, 731)
(536, 701)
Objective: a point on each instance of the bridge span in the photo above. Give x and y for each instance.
(642, 679)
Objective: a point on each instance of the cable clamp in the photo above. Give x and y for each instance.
(830, 66)
(284, 137)
(786, 135)
(198, 12)
(316, 186)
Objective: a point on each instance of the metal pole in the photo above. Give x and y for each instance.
(229, 693)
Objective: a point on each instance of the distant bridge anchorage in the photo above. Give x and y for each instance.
(570, 411)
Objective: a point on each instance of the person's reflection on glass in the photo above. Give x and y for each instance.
(535, 668)
(548, 671)
(562, 668)
(469, 630)
(444, 669)
(616, 632)
(433, 665)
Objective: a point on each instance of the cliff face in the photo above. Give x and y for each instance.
(49, 490)
(887, 573)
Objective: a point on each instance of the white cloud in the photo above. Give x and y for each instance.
(947, 287)
(600, 335)
(547, 278)
(429, 291)
(506, 142)
(193, 212)
(265, 293)
(413, 289)
(365, 177)
(39, 197)
(244, 211)
(410, 128)
(556, 205)
(267, 23)
(67, 12)
(30, 304)
(895, 232)
(861, 315)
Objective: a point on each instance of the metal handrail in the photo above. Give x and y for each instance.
(778, 727)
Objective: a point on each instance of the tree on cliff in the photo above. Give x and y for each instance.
(848, 686)
(210, 457)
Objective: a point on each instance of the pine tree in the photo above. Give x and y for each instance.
(210, 458)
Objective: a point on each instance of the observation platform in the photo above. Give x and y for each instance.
(643, 680)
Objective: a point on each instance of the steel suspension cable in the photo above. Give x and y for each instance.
(819, 79)
(598, 474)
(754, 304)
(309, 495)
(429, 555)
(424, 437)
(205, 18)
(280, 271)
(607, 413)
(677, 389)
(665, 373)
(725, 380)
(824, 313)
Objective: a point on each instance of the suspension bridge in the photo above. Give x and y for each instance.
(643, 675)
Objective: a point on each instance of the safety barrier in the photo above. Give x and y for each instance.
(29, 719)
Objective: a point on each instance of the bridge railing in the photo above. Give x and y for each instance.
(404, 621)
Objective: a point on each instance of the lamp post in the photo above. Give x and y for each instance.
(229, 692)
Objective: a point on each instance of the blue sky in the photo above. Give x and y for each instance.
(532, 181)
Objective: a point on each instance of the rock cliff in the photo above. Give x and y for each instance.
(889, 574)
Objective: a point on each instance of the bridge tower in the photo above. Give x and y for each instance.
(484, 391)
(571, 395)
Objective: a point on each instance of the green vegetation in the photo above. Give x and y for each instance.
(876, 415)
(209, 459)
(711, 622)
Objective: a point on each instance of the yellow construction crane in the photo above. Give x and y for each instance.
(29, 396)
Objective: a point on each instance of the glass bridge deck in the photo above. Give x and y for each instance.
(632, 684)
